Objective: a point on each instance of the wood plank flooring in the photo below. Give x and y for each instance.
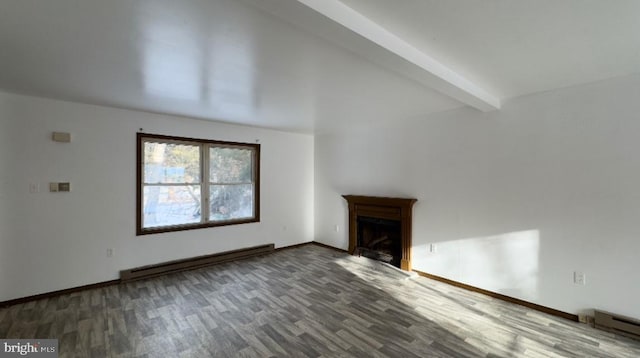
(307, 301)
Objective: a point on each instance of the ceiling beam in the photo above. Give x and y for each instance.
(350, 29)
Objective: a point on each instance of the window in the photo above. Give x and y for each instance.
(186, 183)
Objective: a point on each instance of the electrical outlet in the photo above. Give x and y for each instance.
(336, 228)
(109, 252)
(34, 187)
(433, 248)
(579, 278)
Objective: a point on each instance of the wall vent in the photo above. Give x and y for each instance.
(617, 324)
(193, 263)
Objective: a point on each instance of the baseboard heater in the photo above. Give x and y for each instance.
(193, 263)
(617, 324)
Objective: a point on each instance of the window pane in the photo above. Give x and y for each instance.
(171, 205)
(230, 202)
(230, 165)
(169, 163)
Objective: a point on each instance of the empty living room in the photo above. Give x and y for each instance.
(319, 178)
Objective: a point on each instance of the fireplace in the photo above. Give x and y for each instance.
(380, 228)
(379, 239)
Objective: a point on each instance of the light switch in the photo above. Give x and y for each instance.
(64, 186)
(53, 187)
(34, 187)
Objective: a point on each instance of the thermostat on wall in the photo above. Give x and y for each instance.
(62, 137)
(56, 187)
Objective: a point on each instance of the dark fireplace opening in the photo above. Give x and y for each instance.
(379, 239)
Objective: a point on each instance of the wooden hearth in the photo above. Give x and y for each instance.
(383, 208)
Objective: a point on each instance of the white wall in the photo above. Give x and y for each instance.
(516, 200)
(52, 241)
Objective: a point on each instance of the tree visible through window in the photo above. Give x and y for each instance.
(191, 183)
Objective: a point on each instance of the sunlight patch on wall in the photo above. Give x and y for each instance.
(505, 263)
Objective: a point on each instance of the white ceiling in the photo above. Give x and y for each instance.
(283, 65)
(517, 47)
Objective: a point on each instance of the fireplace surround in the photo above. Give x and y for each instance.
(366, 209)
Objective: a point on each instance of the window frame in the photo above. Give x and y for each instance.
(204, 182)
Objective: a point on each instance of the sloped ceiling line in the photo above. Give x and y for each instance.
(377, 44)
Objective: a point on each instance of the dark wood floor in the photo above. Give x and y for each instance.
(307, 301)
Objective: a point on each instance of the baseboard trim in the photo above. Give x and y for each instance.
(51, 294)
(327, 246)
(544, 309)
(294, 246)
(91, 286)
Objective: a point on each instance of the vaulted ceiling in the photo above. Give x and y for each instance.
(311, 65)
